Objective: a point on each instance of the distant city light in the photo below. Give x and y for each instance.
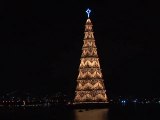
(135, 100)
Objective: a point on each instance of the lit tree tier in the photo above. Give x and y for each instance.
(89, 43)
(89, 52)
(91, 62)
(90, 84)
(91, 96)
(89, 73)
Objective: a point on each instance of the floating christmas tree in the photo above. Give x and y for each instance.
(90, 86)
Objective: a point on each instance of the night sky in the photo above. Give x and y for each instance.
(41, 44)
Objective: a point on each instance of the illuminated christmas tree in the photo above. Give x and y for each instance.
(90, 86)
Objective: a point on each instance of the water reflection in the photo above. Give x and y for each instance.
(91, 114)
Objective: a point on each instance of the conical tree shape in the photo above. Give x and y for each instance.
(90, 87)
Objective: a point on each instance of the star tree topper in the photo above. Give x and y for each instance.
(88, 11)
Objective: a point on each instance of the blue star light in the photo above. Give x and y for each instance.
(88, 11)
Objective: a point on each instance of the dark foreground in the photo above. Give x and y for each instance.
(113, 112)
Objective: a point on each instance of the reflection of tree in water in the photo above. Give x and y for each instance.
(91, 114)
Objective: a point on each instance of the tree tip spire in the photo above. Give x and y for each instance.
(88, 11)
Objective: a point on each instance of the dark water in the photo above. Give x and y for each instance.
(145, 112)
